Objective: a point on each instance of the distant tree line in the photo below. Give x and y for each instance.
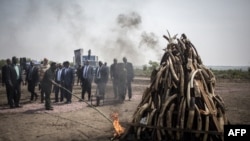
(223, 74)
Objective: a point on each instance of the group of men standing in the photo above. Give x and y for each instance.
(43, 76)
(62, 77)
(121, 74)
(99, 75)
(12, 79)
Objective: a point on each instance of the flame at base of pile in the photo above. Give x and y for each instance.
(180, 103)
(119, 130)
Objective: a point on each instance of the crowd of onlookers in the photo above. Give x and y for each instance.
(59, 78)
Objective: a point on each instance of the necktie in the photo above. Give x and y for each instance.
(66, 71)
(86, 70)
(98, 73)
(30, 73)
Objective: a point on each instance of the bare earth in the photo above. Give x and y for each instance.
(79, 122)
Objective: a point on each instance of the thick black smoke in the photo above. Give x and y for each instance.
(149, 40)
(123, 41)
(131, 42)
(131, 20)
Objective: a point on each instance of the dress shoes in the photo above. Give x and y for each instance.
(18, 106)
(36, 96)
(12, 107)
(67, 102)
(49, 108)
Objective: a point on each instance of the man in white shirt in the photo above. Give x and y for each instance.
(58, 81)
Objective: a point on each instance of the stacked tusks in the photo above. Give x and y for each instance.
(180, 103)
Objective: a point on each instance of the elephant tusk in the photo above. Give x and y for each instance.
(178, 119)
(169, 119)
(221, 119)
(151, 115)
(189, 86)
(164, 106)
(199, 120)
(183, 109)
(191, 112)
(172, 70)
(206, 124)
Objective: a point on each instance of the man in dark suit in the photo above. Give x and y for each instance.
(121, 81)
(86, 78)
(101, 79)
(32, 77)
(67, 79)
(4, 74)
(13, 80)
(130, 76)
(114, 77)
(47, 81)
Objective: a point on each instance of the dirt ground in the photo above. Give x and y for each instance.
(79, 122)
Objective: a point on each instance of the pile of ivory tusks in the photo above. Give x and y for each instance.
(181, 97)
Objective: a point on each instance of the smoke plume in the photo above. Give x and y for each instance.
(54, 29)
(131, 20)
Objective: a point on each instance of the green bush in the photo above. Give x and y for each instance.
(147, 70)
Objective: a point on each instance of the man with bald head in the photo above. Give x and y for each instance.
(32, 77)
(67, 80)
(114, 77)
(101, 79)
(47, 81)
(86, 76)
(130, 76)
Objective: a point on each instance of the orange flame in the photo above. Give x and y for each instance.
(119, 130)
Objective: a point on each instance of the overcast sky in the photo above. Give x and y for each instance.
(219, 29)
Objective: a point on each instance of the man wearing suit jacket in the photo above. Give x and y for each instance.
(67, 79)
(101, 79)
(130, 76)
(32, 77)
(47, 81)
(4, 74)
(13, 80)
(87, 78)
(114, 77)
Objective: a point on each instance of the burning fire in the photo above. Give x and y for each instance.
(119, 130)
